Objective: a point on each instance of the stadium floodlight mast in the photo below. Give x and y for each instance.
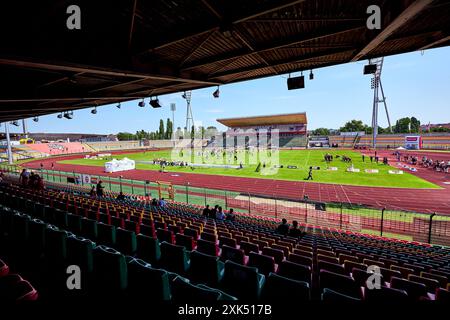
(374, 67)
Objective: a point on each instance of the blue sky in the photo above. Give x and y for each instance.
(414, 84)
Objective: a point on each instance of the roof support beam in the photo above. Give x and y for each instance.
(274, 64)
(436, 43)
(410, 12)
(99, 71)
(273, 45)
(276, 7)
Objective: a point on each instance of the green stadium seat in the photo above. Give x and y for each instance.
(74, 223)
(205, 269)
(110, 272)
(146, 284)
(148, 249)
(106, 234)
(89, 228)
(279, 288)
(174, 258)
(126, 241)
(241, 281)
(332, 296)
(294, 271)
(184, 291)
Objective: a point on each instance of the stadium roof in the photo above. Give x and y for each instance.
(132, 49)
(288, 118)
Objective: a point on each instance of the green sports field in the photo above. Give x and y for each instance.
(303, 159)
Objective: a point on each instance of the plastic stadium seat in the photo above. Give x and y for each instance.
(431, 284)
(206, 269)
(110, 271)
(36, 230)
(146, 284)
(191, 232)
(340, 283)
(329, 295)
(117, 222)
(233, 254)
(89, 228)
(174, 258)
(241, 281)
(55, 249)
(328, 259)
(230, 242)
(74, 223)
(264, 263)
(415, 290)
(261, 243)
(278, 288)
(131, 226)
(388, 274)
(183, 290)
(4, 268)
(61, 219)
(385, 294)
(147, 230)
(208, 236)
(160, 225)
(185, 241)
(361, 276)
(20, 223)
(80, 253)
(349, 265)
(148, 248)
(345, 257)
(333, 267)
(443, 295)
(294, 271)
(276, 253)
(208, 247)
(404, 271)
(441, 279)
(106, 234)
(165, 235)
(248, 247)
(16, 291)
(125, 241)
(300, 260)
(174, 229)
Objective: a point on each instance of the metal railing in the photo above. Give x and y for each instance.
(433, 228)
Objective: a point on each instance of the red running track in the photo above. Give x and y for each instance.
(419, 200)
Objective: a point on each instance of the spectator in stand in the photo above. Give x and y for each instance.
(230, 215)
(295, 232)
(162, 202)
(40, 184)
(23, 178)
(206, 210)
(92, 193)
(219, 214)
(212, 212)
(31, 180)
(154, 202)
(120, 196)
(42, 166)
(283, 228)
(53, 165)
(100, 188)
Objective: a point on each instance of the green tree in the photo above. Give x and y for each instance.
(415, 125)
(161, 129)
(321, 132)
(353, 126)
(169, 129)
